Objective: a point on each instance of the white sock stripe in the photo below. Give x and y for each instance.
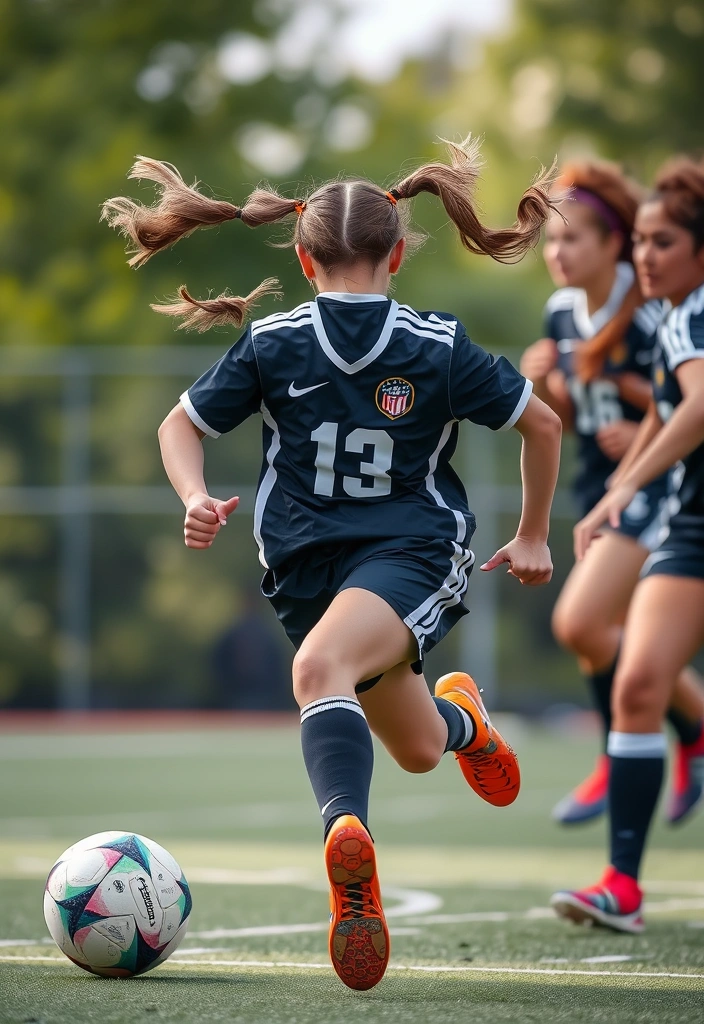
(325, 700)
(637, 744)
(330, 704)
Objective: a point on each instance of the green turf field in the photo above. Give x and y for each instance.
(466, 889)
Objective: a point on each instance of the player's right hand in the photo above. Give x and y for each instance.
(539, 359)
(204, 517)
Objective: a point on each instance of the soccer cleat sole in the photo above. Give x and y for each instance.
(359, 947)
(569, 906)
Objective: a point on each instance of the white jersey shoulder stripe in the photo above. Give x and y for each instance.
(674, 333)
(563, 298)
(302, 321)
(412, 328)
(290, 314)
(432, 322)
(648, 317)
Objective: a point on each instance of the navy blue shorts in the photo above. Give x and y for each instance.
(642, 520)
(680, 551)
(422, 580)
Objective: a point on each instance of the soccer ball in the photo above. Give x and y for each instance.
(117, 904)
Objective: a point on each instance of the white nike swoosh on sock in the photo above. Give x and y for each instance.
(324, 809)
(295, 392)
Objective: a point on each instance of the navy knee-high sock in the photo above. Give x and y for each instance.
(461, 729)
(688, 730)
(339, 757)
(600, 685)
(637, 769)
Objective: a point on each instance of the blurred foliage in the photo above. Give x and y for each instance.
(231, 94)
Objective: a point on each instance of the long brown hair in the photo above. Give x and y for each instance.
(338, 224)
(621, 196)
(680, 186)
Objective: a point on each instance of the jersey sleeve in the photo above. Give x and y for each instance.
(484, 389)
(228, 393)
(682, 335)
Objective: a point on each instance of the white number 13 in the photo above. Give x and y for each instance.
(383, 447)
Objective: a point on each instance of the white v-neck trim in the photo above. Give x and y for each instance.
(588, 325)
(365, 360)
(353, 297)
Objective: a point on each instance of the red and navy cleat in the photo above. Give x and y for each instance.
(359, 938)
(687, 782)
(588, 800)
(616, 902)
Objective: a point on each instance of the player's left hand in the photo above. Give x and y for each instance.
(528, 560)
(608, 510)
(615, 438)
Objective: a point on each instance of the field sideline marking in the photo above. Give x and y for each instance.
(427, 969)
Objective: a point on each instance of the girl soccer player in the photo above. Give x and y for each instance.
(665, 624)
(362, 525)
(593, 367)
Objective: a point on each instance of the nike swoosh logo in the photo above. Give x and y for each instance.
(295, 392)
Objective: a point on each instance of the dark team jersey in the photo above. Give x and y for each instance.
(681, 338)
(360, 399)
(597, 403)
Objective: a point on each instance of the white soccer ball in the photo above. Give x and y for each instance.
(117, 904)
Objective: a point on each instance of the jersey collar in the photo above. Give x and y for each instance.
(373, 352)
(353, 297)
(588, 325)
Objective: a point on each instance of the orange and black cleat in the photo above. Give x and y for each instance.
(488, 763)
(359, 938)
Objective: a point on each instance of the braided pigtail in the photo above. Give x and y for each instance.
(202, 314)
(455, 184)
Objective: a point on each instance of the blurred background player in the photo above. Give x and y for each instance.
(665, 624)
(363, 526)
(593, 368)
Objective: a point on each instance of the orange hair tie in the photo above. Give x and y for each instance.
(300, 207)
(391, 197)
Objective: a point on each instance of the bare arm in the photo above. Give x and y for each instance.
(527, 554)
(634, 389)
(682, 433)
(538, 364)
(647, 429)
(182, 454)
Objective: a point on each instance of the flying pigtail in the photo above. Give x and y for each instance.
(180, 209)
(202, 314)
(455, 184)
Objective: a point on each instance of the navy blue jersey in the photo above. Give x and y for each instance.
(360, 399)
(598, 403)
(681, 337)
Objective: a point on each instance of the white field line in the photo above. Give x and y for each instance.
(413, 903)
(425, 968)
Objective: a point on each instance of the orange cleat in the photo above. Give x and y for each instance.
(359, 938)
(488, 763)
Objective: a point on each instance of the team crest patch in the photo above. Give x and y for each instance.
(619, 354)
(659, 376)
(394, 397)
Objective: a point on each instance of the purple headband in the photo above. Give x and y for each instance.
(606, 212)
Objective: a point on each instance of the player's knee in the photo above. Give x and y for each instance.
(419, 759)
(312, 673)
(636, 691)
(575, 633)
